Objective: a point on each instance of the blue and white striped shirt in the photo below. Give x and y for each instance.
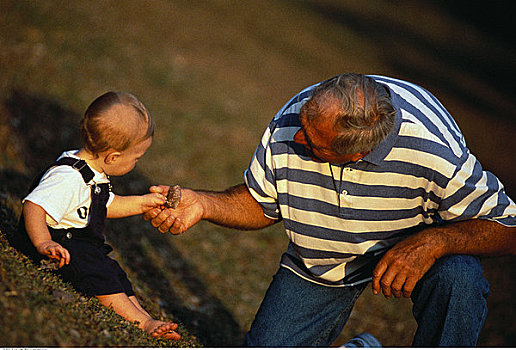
(341, 218)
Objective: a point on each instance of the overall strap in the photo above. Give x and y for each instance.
(79, 165)
(92, 233)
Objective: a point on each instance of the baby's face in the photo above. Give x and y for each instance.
(128, 158)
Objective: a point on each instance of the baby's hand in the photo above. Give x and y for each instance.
(152, 200)
(54, 251)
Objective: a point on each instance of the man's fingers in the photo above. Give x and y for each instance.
(177, 227)
(151, 214)
(386, 281)
(377, 275)
(160, 218)
(397, 285)
(393, 281)
(167, 222)
(409, 286)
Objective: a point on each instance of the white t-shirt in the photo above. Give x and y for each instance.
(64, 196)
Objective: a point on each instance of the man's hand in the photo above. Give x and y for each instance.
(403, 266)
(235, 208)
(188, 213)
(54, 251)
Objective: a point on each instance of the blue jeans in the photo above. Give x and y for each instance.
(449, 306)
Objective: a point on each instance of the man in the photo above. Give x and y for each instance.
(372, 180)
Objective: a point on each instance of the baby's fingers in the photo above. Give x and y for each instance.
(61, 254)
(65, 257)
(63, 262)
(159, 189)
(158, 199)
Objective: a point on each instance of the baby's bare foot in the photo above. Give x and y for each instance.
(160, 329)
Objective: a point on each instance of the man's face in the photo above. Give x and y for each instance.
(317, 138)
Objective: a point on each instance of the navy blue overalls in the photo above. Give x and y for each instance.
(90, 271)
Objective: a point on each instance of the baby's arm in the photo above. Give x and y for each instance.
(123, 206)
(39, 234)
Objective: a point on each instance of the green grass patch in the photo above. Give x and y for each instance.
(39, 309)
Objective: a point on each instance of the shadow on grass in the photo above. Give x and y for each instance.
(44, 130)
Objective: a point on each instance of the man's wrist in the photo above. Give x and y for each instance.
(205, 200)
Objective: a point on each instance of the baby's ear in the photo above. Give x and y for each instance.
(111, 157)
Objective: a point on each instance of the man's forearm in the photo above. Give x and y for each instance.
(234, 208)
(474, 237)
(404, 265)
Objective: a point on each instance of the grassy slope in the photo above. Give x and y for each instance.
(38, 309)
(213, 74)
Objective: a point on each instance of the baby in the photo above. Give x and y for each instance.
(64, 214)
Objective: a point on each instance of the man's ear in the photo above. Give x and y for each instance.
(111, 157)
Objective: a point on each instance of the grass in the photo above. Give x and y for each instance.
(38, 309)
(213, 74)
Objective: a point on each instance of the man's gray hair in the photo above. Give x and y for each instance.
(365, 114)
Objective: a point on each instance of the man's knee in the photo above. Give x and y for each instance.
(450, 302)
(459, 275)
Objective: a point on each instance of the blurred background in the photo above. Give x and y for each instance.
(213, 74)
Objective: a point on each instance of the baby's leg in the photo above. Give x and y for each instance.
(138, 306)
(130, 309)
